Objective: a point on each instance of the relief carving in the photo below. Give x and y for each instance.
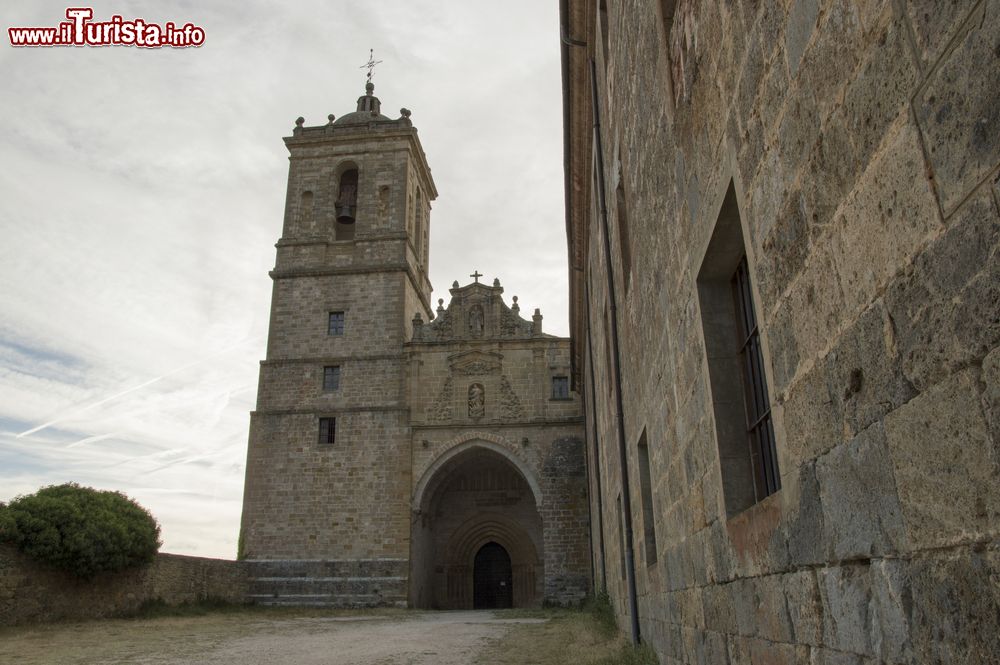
(477, 401)
(440, 410)
(510, 405)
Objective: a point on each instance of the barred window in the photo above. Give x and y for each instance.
(760, 428)
(737, 370)
(560, 387)
(327, 430)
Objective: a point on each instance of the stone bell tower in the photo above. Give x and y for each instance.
(326, 503)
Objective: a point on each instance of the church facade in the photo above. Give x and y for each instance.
(403, 454)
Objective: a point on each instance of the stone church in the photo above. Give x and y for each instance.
(402, 453)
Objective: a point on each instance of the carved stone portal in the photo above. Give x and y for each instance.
(477, 401)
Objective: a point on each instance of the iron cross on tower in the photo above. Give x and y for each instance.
(476, 275)
(370, 64)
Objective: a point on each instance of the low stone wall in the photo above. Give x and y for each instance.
(32, 593)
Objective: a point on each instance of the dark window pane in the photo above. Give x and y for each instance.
(327, 430)
(336, 326)
(331, 378)
(560, 387)
(760, 430)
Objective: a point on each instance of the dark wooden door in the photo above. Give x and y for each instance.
(492, 586)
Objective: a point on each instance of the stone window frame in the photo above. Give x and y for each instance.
(648, 501)
(331, 378)
(718, 311)
(327, 431)
(558, 395)
(340, 329)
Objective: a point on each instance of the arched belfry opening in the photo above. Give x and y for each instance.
(346, 206)
(476, 534)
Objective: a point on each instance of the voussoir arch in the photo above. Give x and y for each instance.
(468, 442)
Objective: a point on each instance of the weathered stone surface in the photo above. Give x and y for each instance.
(890, 610)
(801, 23)
(935, 23)
(958, 111)
(991, 396)
(832, 172)
(861, 512)
(945, 464)
(944, 313)
(788, 239)
(880, 91)
(805, 608)
(806, 531)
(956, 608)
(886, 219)
(846, 593)
(833, 54)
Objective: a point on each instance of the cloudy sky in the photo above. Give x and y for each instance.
(142, 192)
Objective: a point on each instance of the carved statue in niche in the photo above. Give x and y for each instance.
(476, 321)
(477, 401)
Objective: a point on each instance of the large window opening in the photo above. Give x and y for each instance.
(737, 374)
(646, 487)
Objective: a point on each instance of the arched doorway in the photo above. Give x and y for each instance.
(476, 536)
(492, 582)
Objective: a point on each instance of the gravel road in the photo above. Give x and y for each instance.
(410, 638)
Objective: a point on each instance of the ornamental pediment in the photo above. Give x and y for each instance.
(471, 363)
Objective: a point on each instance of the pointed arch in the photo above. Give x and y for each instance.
(433, 476)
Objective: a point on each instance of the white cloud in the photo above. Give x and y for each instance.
(143, 192)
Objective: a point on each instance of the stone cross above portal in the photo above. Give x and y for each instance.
(371, 63)
(476, 275)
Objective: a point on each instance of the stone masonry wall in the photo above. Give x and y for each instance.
(30, 592)
(862, 141)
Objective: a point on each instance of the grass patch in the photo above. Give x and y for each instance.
(630, 655)
(159, 609)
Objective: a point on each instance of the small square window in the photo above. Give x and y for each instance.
(560, 387)
(331, 378)
(336, 325)
(327, 430)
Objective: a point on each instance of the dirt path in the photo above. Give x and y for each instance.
(441, 638)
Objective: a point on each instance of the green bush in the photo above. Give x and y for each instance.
(80, 530)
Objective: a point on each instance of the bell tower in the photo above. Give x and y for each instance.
(326, 501)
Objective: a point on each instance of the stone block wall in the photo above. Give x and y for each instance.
(860, 140)
(31, 593)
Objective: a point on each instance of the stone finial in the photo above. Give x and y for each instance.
(300, 121)
(404, 117)
(536, 322)
(515, 307)
(454, 284)
(405, 112)
(331, 118)
(441, 305)
(418, 320)
(496, 282)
